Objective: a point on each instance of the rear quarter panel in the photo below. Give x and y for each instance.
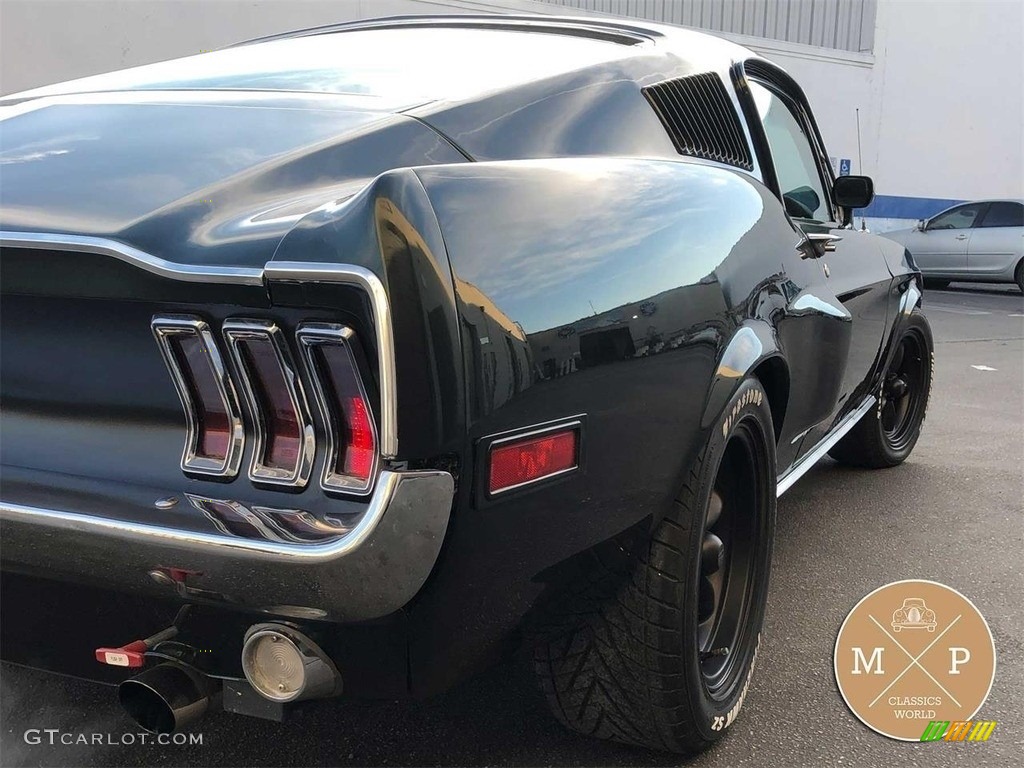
(608, 288)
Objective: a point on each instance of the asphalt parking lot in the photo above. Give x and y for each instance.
(954, 514)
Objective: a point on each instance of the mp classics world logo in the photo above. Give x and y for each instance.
(914, 658)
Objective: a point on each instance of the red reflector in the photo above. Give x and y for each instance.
(330, 352)
(531, 459)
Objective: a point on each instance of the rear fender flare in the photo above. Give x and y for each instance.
(910, 299)
(751, 344)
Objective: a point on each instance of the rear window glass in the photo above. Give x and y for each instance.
(1004, 215)
(418, 64)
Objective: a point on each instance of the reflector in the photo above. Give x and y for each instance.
(529, 459)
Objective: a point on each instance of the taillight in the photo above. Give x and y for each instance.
(352, 453)
(215, 436)
(526, 459)
(285, 443)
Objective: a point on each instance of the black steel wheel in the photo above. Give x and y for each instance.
(904, 396)
(652, 641)
(888, 439)
(729, 548)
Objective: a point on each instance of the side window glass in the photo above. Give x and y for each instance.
(1004, 215)
(958, 218)
(793, 156)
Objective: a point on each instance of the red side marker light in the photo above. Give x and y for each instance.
(530, 459)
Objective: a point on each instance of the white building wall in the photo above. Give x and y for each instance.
(948, 99)
(941, 98)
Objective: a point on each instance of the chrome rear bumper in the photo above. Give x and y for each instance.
(370, 570)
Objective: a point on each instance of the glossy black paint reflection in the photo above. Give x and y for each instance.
(211, 180)
(647, 329)
(628, 284)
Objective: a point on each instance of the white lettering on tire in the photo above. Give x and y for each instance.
(720, 723)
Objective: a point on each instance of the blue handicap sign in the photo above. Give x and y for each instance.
(844, 166)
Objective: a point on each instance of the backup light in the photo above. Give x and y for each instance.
(283, 665)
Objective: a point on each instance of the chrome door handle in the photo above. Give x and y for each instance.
(961, 237)
(817, 244)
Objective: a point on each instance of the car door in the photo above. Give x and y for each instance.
(853, 282)
(940, 247)
(997, 241)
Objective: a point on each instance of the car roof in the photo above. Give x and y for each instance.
(1019, 201)
(400, 62)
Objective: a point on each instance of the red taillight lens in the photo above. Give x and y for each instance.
(529, 459)
(352, 459)
(285, 441)
(214, 433)
(213, 421)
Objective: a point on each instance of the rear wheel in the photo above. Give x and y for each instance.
(887, 439)
(653, 643)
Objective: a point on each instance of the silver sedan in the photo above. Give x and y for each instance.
(982, 241)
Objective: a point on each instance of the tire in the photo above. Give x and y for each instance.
(877, 441)
(936, 284)
(1018, 276)
(621, 652)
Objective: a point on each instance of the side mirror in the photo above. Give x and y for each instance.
(853, 191)
(922, 225)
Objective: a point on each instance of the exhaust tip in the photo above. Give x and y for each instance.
(166, 698)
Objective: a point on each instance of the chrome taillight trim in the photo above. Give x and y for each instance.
(310, 336)
(239, 329)
(166, 326)
(361, 277)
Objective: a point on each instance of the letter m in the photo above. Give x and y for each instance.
(982, 730)
(859, 661)
(935, 730)
(958, 730)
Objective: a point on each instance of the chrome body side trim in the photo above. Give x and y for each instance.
(310, 336)
(237, 331)
(374, 288)
(798, 470)
(105, 247)
(167, 326)
(369, 571)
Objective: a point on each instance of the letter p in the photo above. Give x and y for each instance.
(957, 657)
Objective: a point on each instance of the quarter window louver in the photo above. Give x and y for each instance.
(700, 119)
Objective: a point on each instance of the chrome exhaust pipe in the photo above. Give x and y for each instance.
(167, 698)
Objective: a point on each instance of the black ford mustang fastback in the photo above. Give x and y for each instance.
(350, 355)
